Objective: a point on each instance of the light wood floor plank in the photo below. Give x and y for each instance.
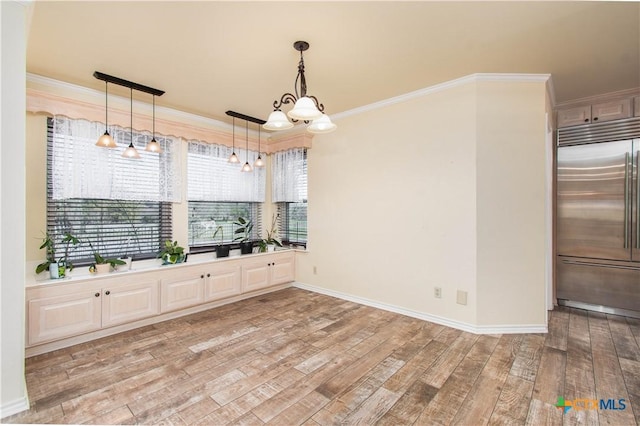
(294, 357)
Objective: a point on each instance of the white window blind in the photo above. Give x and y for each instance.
(212, 178)
(289, 176)
(80, 169)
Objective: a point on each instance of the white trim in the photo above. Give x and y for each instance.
(444, 86)
(14, 407)
(475, 329)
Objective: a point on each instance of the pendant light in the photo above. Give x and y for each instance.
(131, 151)
(234, 158)
(259, 161)
(247, 166)
(153, 145)
(106, 141)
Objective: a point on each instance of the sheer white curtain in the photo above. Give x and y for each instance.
(212, 178)
(289, 176)
(80, 169)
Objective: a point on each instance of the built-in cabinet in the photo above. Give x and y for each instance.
(58, 310)
(636, 106)
(596, 113)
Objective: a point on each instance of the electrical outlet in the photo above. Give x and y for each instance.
(462, 297)
(437, 292)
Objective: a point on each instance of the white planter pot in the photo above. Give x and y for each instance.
(103, 268)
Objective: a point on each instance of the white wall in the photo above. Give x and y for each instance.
(13, 396)
(441, 190)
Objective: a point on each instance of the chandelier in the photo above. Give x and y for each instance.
(306, 107)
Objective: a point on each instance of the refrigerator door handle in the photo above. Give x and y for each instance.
(638, 200)
(626, 200)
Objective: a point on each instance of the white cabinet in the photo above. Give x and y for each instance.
(62, 311)
(272, 269)
(55, 317)
(123, 302)
(65, 312)
(194, 285)
(596, 113)
(636, 106)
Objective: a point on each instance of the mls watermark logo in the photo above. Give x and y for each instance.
(580, 404)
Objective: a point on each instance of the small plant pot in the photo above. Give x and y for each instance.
(246, 247)
(103, 268)
(222, 251)
(57, 270)
(170, 259)
(271, 247)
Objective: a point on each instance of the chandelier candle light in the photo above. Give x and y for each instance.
(106, 141)
(306, 107)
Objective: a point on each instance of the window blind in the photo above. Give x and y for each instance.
(206, 216)
(289, 176)
(80, 169)
(110, 226)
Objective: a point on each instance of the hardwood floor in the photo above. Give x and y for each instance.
(297, 357)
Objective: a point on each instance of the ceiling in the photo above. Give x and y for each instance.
(210, 57)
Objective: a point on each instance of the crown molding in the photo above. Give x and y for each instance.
(472, 78)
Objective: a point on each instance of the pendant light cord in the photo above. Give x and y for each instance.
(106, 105)
(153, 137)
(233, 140)
(131, 131)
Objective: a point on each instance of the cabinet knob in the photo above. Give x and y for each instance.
(586, 120)
(268, 264)
(97, 295)
(208, 275)
(595, 118)
(107, 292)
(202, 276)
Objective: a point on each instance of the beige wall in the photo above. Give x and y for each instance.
(442, 190)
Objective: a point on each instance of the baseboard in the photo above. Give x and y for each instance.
(14, 407)
(471, 328)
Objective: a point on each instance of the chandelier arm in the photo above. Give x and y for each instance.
(286, 99)
(318, 104)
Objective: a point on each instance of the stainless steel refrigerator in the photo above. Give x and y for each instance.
(598, 217)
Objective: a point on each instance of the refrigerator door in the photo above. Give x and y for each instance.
(635, 203)
(594, 195)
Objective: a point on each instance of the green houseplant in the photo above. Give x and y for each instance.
(221, 250)
(103, 265)
(273, 238)
(171, 253)
(244, 228)
(57, 268)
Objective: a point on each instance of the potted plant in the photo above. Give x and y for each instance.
(57, 268)
(245, 226)
(221, 250)
(103, 265)
(171, 253)
(273, 239)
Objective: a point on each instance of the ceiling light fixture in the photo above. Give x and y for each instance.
(106, 141)
(306, 107)
(131, 151)
(233, 158)
(247, 166)
(259, 161)
(153, 145)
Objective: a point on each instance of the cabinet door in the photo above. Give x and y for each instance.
(614, 110)
(178, 293)
(222, 281)
(52, 318)
(636, 106)
(574, 116)
(282, 269)
(124, 303)
(255, 275)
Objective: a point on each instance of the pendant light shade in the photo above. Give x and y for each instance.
(106, 141)
(304, 109)
(321, 125)
(247, 166)
(277, 121)
(234, 158)
(153, 145)
(131, 151)
(259, 161)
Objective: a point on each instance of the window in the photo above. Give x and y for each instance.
(219, 193)
(107, 215)
(289, 191)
